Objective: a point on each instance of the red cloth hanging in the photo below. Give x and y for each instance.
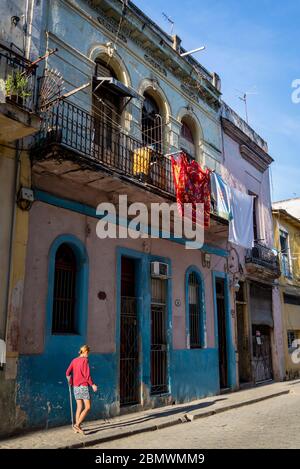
(192, 185)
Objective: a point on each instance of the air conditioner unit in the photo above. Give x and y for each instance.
(159, 270)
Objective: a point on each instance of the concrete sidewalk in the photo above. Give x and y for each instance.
(99, 431)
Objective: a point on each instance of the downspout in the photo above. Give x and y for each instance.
(29, 29)
(12, 230)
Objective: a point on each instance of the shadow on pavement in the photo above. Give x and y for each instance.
(145, 418)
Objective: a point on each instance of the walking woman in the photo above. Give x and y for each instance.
(78, 376)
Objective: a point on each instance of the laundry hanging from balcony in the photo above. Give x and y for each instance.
(192, 186)
(221, 196)
(241, 226)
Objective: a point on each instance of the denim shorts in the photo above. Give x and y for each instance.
(81, 392)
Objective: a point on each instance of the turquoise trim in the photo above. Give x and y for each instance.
(54, 342)
(231, 358)
(143, 293)
(143, 308)
(169, 325)
(201, 299)
(92, 212)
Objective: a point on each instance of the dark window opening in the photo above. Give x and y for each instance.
(284, 248)
(194, 311)
(187, 142)
(151, 124)
(254, 215)
(107, 108)
(291, 299)
(64, 300)
(186, 133)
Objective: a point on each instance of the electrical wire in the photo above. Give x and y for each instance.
(118, 32)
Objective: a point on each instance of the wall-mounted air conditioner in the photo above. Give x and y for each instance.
(159, 270)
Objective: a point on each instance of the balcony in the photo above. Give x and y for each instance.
(262, 262)
(82, 141)
(17, 96)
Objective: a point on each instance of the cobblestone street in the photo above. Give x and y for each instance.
(273, 423)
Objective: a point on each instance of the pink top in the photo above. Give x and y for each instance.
(80, 370)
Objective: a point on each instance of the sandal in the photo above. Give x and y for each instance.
(78, 429)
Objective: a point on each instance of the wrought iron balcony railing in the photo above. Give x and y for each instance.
(18, 79)
(263, 256)
(95, 141)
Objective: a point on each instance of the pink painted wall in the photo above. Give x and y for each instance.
(46, 224)
(238, 173)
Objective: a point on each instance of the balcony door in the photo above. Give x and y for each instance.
(151, 167)
(107, 106)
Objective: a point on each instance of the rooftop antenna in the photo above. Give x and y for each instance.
(167, 18)
(244, 99)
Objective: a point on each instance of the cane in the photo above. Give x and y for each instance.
(71, 403)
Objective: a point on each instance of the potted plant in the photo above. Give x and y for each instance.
(17, 86)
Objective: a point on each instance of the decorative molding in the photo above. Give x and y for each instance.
(249, 150)
(156, 65)
(76, 53)
(202, 89)
(206, 92)
(110, 24)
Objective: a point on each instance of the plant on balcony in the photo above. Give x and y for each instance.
(17, 85)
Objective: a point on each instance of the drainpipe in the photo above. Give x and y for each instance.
(12, 230)
(28, 32)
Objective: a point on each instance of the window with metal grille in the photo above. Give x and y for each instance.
(194, 310)
(64, 300)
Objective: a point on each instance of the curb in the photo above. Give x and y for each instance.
(170, 423)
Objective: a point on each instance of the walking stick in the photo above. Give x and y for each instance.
(71, 403)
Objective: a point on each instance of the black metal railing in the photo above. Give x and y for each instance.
(19, 77)
(95, 138)
(100, 142)
(264, 256)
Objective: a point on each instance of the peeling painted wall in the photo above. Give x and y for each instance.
(42, 393)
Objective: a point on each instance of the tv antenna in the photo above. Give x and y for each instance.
(167, 18)
(244, 98)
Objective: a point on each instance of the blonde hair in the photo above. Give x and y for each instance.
(83, 349)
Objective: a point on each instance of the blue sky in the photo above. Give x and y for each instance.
(254, 46)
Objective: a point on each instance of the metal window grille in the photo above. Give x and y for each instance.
(64, 301)
(128, 352)
(158, 337)
(194, 311)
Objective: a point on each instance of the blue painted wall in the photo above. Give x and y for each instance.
(42, 391)
(42, 387)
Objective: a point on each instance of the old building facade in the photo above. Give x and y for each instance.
(157, 336)
(257, 302)
(286, 234)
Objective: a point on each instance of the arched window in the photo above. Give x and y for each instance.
(64, 295)
(107, 106)
(187, 139)
(195, 313)
(151, 124)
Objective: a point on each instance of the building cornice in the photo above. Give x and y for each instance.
(249, 150)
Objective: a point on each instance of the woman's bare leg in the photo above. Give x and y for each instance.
(87, 406)
(79, 403)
